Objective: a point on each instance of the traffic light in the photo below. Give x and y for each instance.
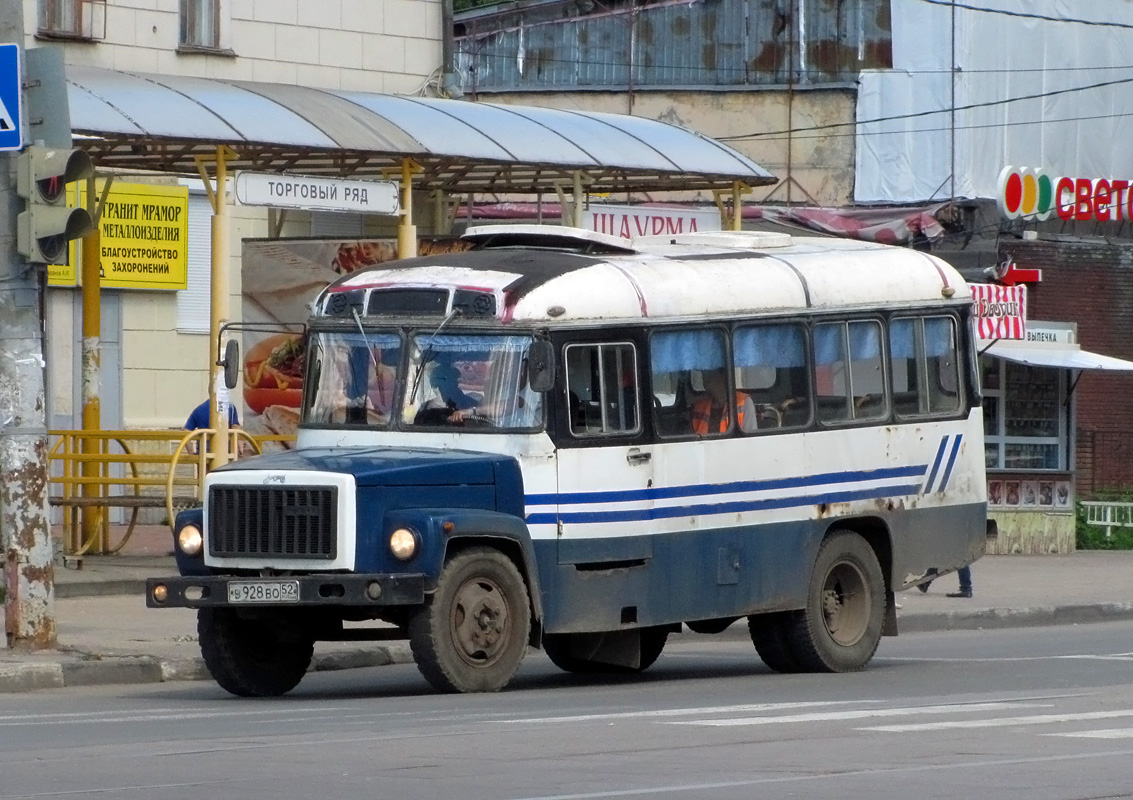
(47, 223)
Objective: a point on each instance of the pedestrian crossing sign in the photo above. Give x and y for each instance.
(11, 131)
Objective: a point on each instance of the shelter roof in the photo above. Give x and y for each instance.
(133, 120)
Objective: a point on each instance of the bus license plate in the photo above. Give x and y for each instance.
(263, 591)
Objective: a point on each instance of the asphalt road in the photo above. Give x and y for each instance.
(1029, 713)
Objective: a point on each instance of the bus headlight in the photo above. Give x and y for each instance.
(189, 539)
(403, 543)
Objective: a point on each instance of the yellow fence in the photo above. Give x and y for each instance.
(92, 472)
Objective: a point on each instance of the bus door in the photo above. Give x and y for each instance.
(605, 466)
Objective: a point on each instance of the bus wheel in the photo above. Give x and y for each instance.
(840, 627)
(770, 635)
(558, 647)
(471, 634)
(249, 658)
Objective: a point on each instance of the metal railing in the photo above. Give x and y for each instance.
(92, 472)
(1108, 514)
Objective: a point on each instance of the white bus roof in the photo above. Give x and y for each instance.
(551, 273)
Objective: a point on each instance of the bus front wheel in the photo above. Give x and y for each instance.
(471, 634)
(250, 657)
(840, 627)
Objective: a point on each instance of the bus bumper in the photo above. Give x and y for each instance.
(285, 591)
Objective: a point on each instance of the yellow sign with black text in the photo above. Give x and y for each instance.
(144, 233)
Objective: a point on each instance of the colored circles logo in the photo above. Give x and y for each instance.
(1026, 192)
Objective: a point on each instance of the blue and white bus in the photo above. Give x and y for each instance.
(580, 442)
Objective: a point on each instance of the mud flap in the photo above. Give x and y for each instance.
(889, 625)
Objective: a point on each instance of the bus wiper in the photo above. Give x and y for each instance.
(429, 353)
(365, 340)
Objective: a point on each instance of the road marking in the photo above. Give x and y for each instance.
(838, 777)
(996, 722)
(1108, 733)
(150, 715)
(832, 716)
(684, 712)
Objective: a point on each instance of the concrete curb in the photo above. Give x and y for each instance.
(70, 670)
(991, 618)
(68, 591)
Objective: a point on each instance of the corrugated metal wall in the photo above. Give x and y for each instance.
(667, 44)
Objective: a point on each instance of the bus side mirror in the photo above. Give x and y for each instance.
(540, 366)
(231, 363)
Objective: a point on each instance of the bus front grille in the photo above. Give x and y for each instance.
(298, 522)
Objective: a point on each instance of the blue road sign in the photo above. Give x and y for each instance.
(11, 131)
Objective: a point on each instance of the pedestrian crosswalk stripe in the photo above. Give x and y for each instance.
(1107, 733)
(996, 722)
(864, 713)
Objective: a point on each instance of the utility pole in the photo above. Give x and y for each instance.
(25, 533)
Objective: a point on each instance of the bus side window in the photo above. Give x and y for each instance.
(849, 375)
(770, 363)
(602, 389)
(690, 384)
(925, 365)
(943, 362)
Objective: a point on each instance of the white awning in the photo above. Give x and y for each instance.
(1067, 356)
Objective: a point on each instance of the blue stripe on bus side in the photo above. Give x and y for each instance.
(951, 461)
(935, 465)
(668, 493)
(642, 514)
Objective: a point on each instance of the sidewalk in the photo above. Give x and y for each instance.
(107, 635)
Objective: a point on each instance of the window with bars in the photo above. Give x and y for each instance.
(200, 24)
(79, 19)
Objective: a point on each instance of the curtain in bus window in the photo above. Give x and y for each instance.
(770, 346)
(908, 370)
(831, 389)
(867, 374)
(681, 351)
(943, 365)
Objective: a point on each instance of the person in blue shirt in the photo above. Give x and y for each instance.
(200, 417)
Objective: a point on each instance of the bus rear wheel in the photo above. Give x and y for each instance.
(840, 627)
(770, 633)
(252, 658)
(471, 634)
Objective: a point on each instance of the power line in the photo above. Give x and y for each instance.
(1026, 15)
(917, 114)
(817, 135)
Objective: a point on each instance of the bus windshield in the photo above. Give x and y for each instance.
(353, 377)
(472, 381)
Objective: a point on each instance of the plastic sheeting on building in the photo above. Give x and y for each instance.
(1078, 76)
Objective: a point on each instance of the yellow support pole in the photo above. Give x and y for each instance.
(576, 211)
(734, 220)
(406, 230)
(218, 441)
(92, 520)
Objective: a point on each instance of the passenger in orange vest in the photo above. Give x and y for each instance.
(712, 412)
